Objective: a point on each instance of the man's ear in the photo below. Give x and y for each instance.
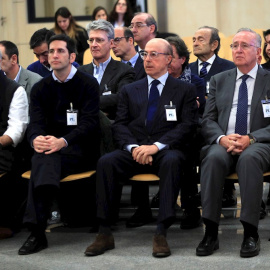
(14, 59)
(72, 57)
(214, 45)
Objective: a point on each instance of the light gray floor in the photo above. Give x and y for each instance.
(134, 248)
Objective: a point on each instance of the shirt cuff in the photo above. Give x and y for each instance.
(218, 139)
(161, 146)
(128, 147)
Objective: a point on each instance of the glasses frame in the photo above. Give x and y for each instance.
(243, 46)
(138, 26)
(149, 54)
(118, 41)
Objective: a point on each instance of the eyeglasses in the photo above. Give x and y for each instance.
(44, 54)
(266, 43)
(243, 46)
(137, 25)
(98, 40)
(118, 39)
(152, 55)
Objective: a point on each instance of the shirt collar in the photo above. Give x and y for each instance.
(18, 75)
(210, 60)
(162, 79)
(104, 64)
(70, 75)
(252, 73)
(132, 60)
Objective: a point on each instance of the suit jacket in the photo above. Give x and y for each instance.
(219, 103)
(27, 79)
(139, 69)
(219, 65)
(130, 128)
(115, 76)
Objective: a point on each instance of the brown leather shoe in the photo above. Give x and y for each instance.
(5, 233)
(102, 243)
(160, 246)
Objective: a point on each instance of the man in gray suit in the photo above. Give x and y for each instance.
(111, 74)
(10, 65)
(236, 127)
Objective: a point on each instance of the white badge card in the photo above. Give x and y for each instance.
(266, 108)
(72, 116)
(170, 112)
(107, 91)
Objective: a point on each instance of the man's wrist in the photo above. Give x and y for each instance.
(252, 139)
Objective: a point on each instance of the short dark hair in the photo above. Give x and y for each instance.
(214, 36)
(265, 33)
(128, 33)
(10, 49)
(70, 42)
(39, 37)
(181, 48)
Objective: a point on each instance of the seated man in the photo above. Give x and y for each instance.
(111, 74)
(64, 132)
(156, 116)
(10, 65)
(236, 127)
(38, 43)
(14, 118)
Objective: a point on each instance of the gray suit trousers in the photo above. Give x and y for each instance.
(249, 165)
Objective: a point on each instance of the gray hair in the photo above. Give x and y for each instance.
(102, 25)
(0, 56)
(258, 37)
(150, 20)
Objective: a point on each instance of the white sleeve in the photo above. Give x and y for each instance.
(17, 116)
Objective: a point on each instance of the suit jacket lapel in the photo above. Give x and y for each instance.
(23, 78)
(108, 75)
(257, 93)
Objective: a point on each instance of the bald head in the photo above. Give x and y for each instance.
(156, 65)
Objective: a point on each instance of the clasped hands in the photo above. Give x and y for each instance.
(48, 144)
(235, 143)
(144, 154)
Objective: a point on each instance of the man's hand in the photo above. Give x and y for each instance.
(55, 144)
(40, 144)
(235, 143)
(143, 154)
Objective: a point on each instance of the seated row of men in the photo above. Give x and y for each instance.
(155, 121)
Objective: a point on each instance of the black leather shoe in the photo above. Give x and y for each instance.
(191, 219)
(140, 218)
(33, 244)
(207, 246)
(250, 247)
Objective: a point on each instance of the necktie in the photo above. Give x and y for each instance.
(152, 103)
(129, 63)
(203, 71)
(242, 108)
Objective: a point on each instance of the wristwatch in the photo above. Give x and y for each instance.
(251, 139)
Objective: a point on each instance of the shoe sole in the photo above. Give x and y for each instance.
(37, 250)
(89, 253)
(251, 254)
(198, 253)
(161, 255)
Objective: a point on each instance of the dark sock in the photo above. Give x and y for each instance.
(105, 227)
(163, 226)
(211, 227)
(250, 230)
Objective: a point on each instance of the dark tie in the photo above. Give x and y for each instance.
(242, 108)
(203, 71)
(128, 63)
(152, 103)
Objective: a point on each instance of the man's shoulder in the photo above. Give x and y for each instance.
(86, 68)
(32, 75)
(85, 77)
(119, 65)
(224, 62)
(34, 65)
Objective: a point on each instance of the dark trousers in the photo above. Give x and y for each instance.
(118, 166)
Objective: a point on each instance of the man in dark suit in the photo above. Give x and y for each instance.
(64, 132)
(123, 47)
(10, 65)
(236, 127)
(155, 119)
(206, 45)
(111, 74)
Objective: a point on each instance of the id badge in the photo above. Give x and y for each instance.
(107, 91)
(266, 107)
(72, 116)
(170, 112)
